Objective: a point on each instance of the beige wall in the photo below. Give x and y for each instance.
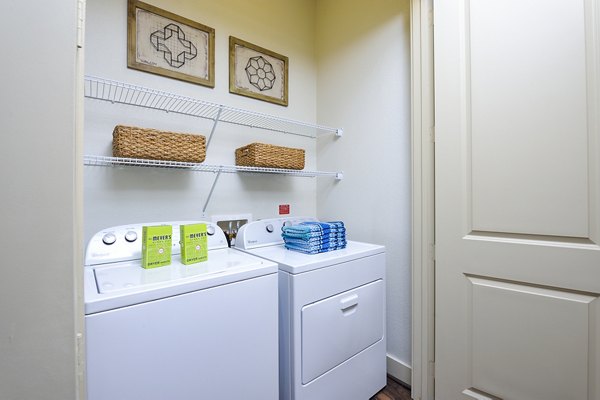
(120, 196)
(39, 239)
(363, 84)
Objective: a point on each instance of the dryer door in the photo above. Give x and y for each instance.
(338, 327)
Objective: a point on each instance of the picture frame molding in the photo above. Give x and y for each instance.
(233, 41)
(132, 5)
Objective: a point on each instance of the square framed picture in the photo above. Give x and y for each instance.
(167, 44)
(257, 72)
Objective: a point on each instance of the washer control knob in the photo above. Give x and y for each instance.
(287, 223)
(131, 236)
(210, 230)
(270, 228)
(109, 239)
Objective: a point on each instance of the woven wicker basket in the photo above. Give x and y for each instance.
(269, 156)
(152, 144)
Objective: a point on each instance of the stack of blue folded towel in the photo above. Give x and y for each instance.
(315, 237)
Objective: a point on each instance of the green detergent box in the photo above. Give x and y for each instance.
(194, 243)
(156, 246)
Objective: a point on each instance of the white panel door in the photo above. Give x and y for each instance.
(517, 86)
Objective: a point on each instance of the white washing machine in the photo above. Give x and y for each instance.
(200, 331)
(332, 341)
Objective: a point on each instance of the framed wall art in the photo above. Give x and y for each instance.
(257, 72)
(167, 44)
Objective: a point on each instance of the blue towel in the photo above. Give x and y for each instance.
(309, 230)
(326, 225)
(323, 227)
(313, 250)
(315, 241)
(302, 229)
(315, 237)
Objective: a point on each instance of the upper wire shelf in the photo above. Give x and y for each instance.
(124, 93)
(105, 161)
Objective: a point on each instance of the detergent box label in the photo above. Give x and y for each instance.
(194, 243)
(156, 246)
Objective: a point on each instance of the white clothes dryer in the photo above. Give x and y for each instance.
(332, 342)
(199, 331)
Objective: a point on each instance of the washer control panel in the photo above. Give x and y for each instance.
(109, 238)
(124, 243)
(131, 236)
(266, 232)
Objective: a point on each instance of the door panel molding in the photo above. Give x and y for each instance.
(534, 289)
(540, 240)
(528, 327)
(473, 393)
(495, 146)
(592, 43)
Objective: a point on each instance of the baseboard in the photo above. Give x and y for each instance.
(399, 370)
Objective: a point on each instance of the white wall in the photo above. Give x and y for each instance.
(39, 313)
(363, 53)
(349, 66)
(118, 196)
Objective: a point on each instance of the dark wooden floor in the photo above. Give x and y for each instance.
(393, 391)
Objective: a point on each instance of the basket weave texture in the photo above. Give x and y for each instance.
(152, 144)
(269, 156)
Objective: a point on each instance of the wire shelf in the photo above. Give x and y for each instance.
(105, 161)
(124, 93)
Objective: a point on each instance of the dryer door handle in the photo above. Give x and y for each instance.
(348, 304)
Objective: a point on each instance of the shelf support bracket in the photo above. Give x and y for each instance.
(214, 126)
(212, 188)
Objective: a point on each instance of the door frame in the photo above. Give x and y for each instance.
(423, 199)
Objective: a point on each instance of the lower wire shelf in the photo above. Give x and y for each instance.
(105, 161)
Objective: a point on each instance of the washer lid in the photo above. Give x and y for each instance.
(121, 284)
(128, 275)
(295, 262)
